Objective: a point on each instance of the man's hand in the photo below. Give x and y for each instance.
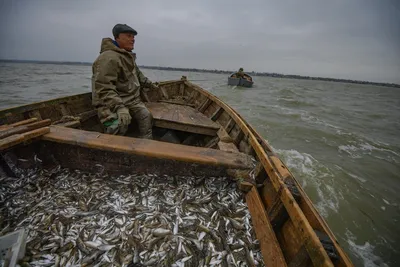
(124, 118)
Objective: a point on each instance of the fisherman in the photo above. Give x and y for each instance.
(240, 73)
(116, 85)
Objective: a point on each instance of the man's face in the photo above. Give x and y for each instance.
(126, 41)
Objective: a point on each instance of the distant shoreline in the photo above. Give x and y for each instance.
(253, 73)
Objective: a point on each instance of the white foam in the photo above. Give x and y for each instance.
(355, 150)
(306, 117)
(357, 177)
(365, 252)
(350, 149)
(308, 171)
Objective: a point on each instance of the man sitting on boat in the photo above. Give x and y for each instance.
(116, 85)
(240, 73)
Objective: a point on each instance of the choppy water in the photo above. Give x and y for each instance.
(341, 141)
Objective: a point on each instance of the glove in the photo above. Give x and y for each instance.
(124, 118)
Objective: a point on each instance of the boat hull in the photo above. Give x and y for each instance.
(239, 82)
(195, 134)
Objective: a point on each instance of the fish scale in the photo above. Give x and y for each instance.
(87, 219)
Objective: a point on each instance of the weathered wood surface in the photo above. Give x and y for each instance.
(176, 102)
(270, 248)
(23, 122)
(224, 136)
(148, 148)
(182, 118)
(305, 233)
(21, 138)
(24, 128)
(229, 147)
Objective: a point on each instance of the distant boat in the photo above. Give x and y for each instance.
(240, 81)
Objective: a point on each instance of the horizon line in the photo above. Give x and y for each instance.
(256, 73)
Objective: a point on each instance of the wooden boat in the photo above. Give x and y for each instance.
(248, 82)
(195, 133)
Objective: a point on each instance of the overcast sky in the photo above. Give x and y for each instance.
(356, 39)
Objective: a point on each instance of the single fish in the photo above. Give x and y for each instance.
(161, 232)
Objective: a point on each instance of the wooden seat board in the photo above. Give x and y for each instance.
(149, 148)
(180, 117)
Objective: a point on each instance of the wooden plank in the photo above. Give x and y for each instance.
(11, 141)
(229, 147)
(281, 168)
(205, 105)
(238, 137)
(224, 136)
(70, 124)
(149, 148)
(192, 96)
(16, 139)
(277, 212)
(270, 248)
(84, 97)
(229, 125)
(181, 118)
(245, 186)
(28, 121)
(24, 128)
(289, 241)
(216, 114)
(164, 92)
(301, 259)
(177, 102)
(209, 111)
(197, 129)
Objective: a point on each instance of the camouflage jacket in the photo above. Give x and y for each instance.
(116, 80)
(240, 74)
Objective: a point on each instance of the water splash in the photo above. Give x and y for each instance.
(364, 252)
(315, 178)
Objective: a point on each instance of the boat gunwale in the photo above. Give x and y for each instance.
(309, 237)
(41, 104)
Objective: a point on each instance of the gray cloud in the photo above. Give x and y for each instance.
(357, 39)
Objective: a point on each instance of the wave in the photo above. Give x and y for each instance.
(306, 117)
(358, 150)
(315, 178)
(295, 102)
(364, 252)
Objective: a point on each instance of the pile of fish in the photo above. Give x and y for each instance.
(76, 218)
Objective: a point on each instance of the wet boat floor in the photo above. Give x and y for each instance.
(77, 218)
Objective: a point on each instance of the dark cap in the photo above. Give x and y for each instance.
(120, 28)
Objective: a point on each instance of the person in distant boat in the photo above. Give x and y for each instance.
(240, 73)
(117, 82)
